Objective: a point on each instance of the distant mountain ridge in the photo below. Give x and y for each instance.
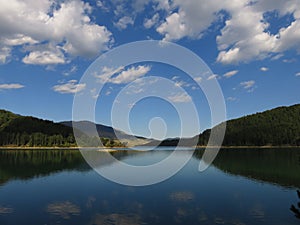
(276, 127)
(103, 131)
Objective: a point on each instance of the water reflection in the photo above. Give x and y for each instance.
(25, 165)
(6, 210)
(90, 202)
(28, 164)
(296, 209)
(63, 209)
(257, 212)
(114, 218)
(67, 191)
(183, 196)
(277, 166)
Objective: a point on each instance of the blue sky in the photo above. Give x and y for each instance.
(251, 47)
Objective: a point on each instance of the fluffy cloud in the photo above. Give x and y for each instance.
(71, 87)
(298, 74)
(62, 23)
(44, 58)
(122, 75)
(248, 84)
(191, 20)
(130, 74)
(10, 86)
(4, 54)
(246, 34)
(68, 26)
(124, 22)
(148, 23)
(102, 5)
(107, 72)
(230, 73)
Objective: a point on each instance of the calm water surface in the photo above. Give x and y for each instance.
(242, 187)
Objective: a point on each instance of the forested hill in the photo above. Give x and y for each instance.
(16, 130)
(27, 131)
(276, 127)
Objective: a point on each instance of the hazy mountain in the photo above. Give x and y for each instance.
(103, 131)
(107, 132)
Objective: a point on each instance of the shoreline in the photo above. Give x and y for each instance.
(248, 147)
(121, 148)
(60, 148)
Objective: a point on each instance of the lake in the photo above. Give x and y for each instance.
(242, 187)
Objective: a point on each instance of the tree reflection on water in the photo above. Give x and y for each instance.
(296, 209)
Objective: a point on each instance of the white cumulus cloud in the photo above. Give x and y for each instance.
(4, 54)
(148, 23)
(248, 84)
(124, 22)
(71, 87)
(130, 74)
(45, 58)
(191, 20)
(107, 72)
(245, 35)
(67, 24)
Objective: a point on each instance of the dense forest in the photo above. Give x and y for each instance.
(276, 127)
(16, 130)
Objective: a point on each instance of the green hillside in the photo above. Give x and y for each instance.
(276, 127)
(26, 131)
(16, 130)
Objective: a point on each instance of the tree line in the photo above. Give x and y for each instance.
(277, 127)
(26, 131)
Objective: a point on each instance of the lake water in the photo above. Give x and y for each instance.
(242, 187)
